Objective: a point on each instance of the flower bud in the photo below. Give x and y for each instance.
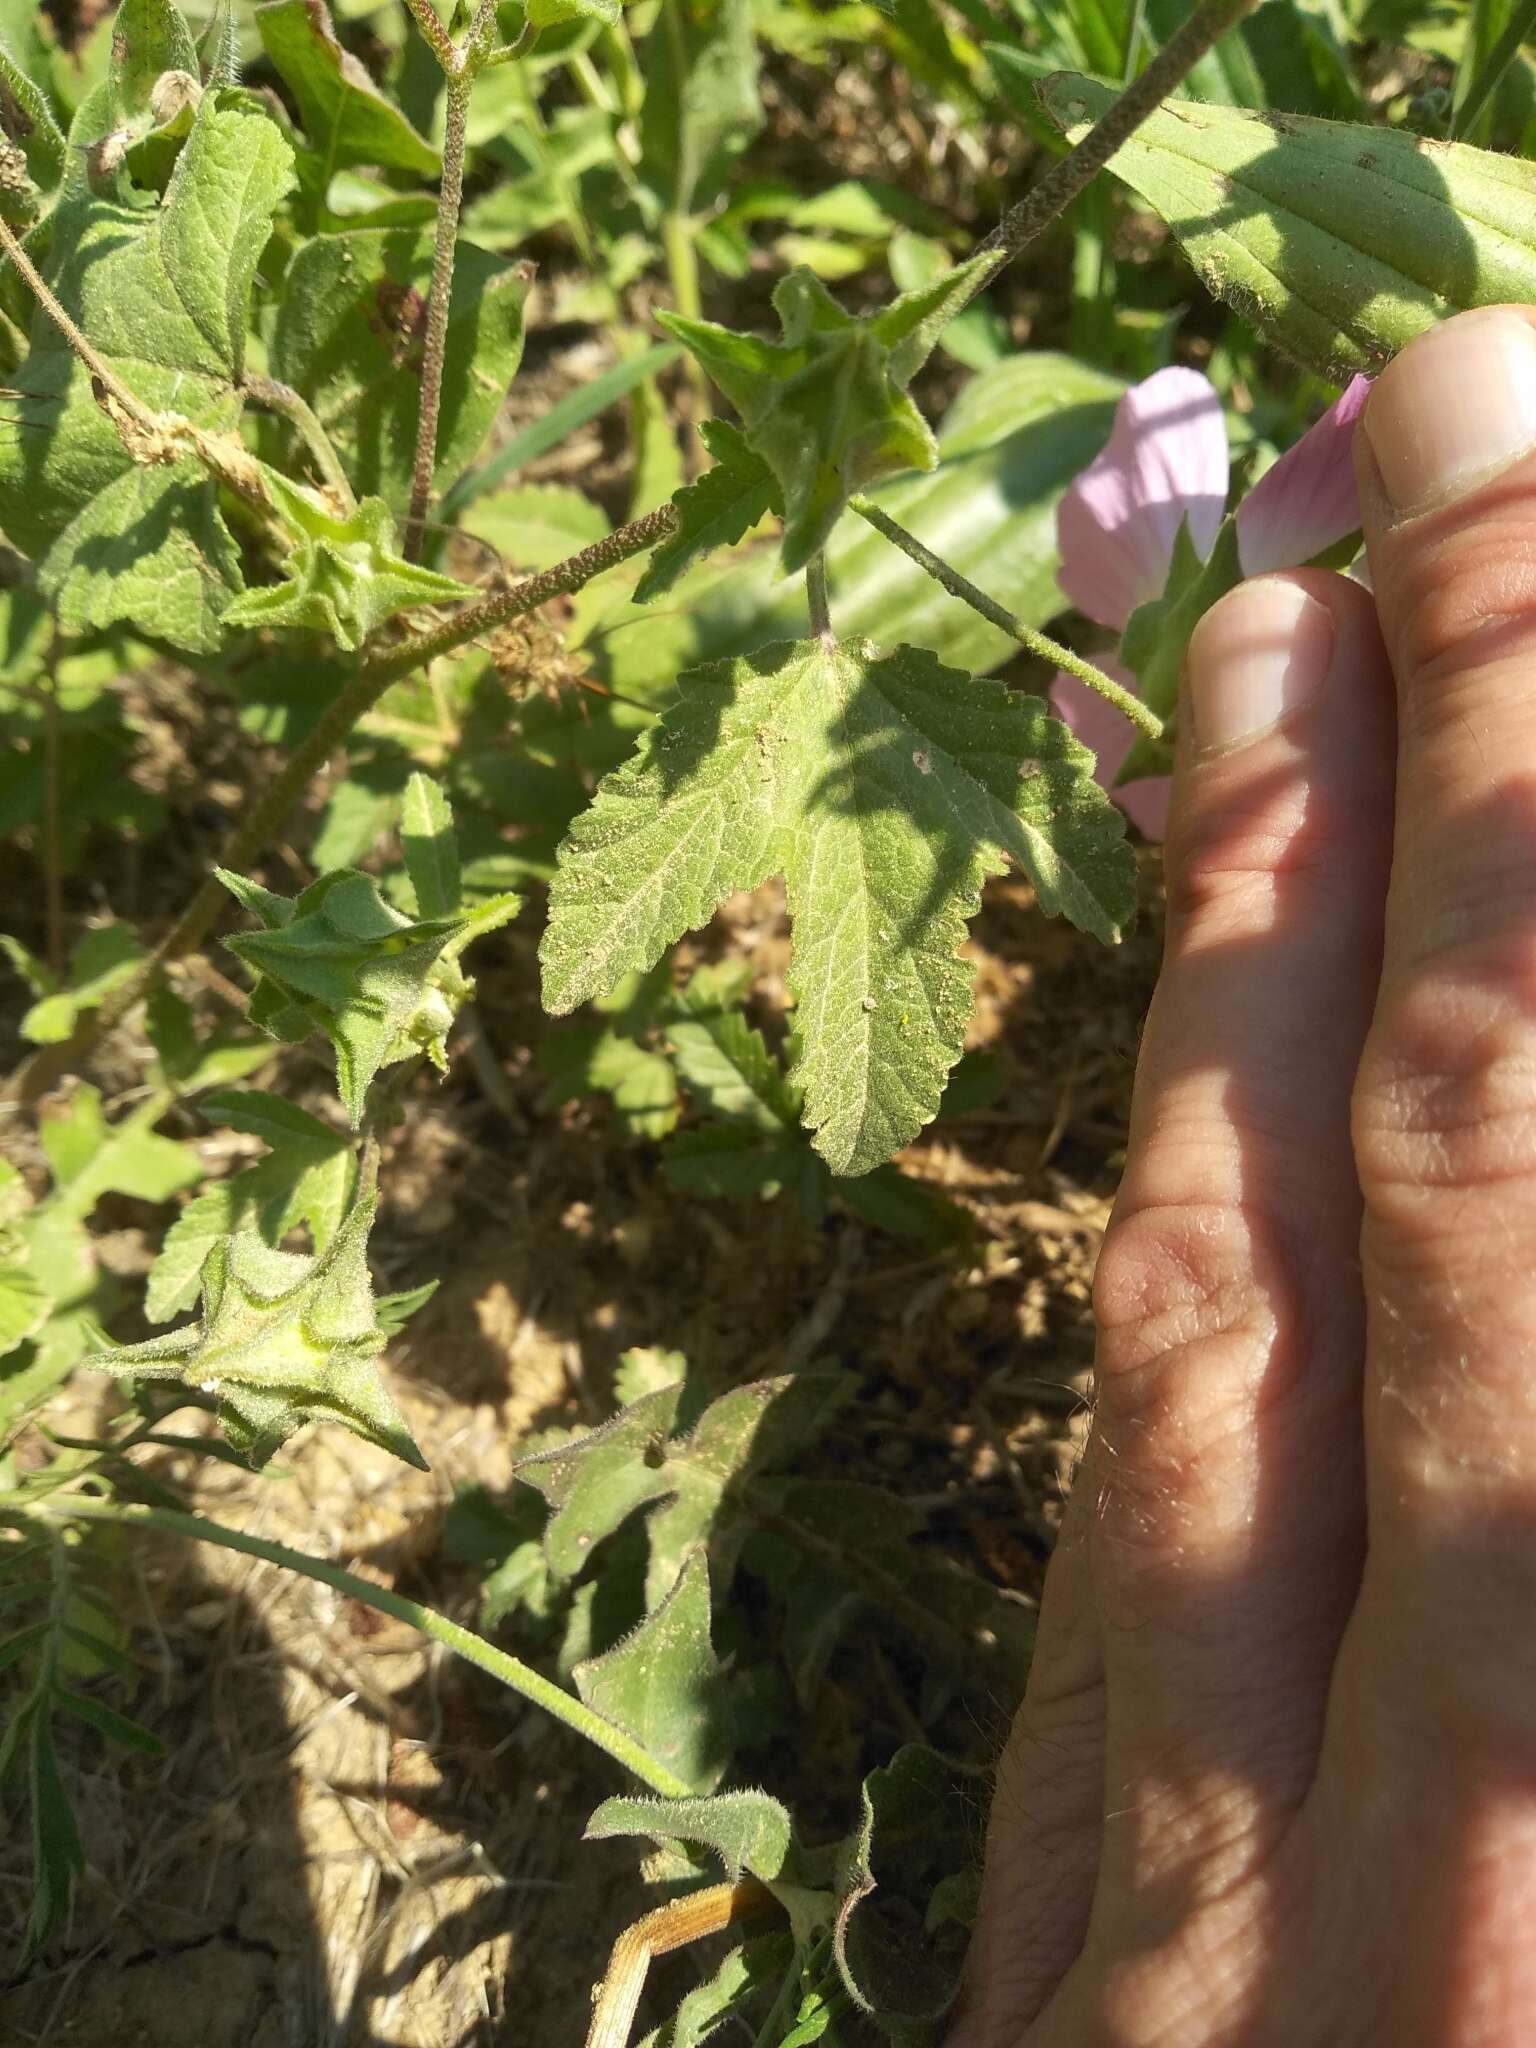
(172, 92)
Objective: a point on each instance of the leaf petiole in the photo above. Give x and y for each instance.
(463, 1642)
(817, 600)
(1125, 701)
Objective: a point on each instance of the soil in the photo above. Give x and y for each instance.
(353, 1840)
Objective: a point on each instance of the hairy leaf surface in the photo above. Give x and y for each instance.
(884, 789)
(350, 336)
(1340, 242)
(748, 1831)
(663, 1685)
(161, 295)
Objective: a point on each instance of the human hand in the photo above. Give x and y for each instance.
(1274, 1780)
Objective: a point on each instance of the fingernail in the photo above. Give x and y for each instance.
(1258, 654)
(1456, 407)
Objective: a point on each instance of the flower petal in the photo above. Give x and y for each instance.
(1165, 460)
(1100, 726)
(1307, 501)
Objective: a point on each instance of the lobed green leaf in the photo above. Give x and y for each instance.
(161, 293)
(884, 789)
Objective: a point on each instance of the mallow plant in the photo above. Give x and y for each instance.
(252, 361)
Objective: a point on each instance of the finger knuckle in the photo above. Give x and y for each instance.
(1229, 858)
(1445, 1102)
(1170, 1275)
(1462, 586)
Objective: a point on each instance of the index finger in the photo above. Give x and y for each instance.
(1445, 1106)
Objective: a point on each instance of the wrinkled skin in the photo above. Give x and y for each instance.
(1274, 1781)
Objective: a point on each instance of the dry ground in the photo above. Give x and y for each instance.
(355, 1841)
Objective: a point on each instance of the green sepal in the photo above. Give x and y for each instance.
(343, 577)
(341, 960)
(715, 510)
(826, 408)
(1156, 638)
(284, 1338)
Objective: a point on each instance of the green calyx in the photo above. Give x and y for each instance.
(827, 407)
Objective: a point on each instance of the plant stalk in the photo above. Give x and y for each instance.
(435, 33)
(53, 865)
(1142, 716)
(694, 1917)
(1070, 174)
(301, 416)
(99, 368)
(463, 1642)
(450, 200)
(818, 601)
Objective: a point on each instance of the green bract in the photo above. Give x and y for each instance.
(884, 788)
(339, 959)
(827, 407)
(714, 511)
(343, 577)
(284, 1338)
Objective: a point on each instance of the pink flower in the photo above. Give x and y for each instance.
(1165, 462)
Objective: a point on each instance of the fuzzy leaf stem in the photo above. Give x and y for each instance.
(1125, 701)
(463, 1642)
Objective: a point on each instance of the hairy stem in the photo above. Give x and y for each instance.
(146, 435)
(102, 371)
(300, 415)
(53, 864)
(463, 1642)
(1125, 701)
(450, 199)
(818, 600)
(352, 703)
(1143, 96)
(434, 33)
